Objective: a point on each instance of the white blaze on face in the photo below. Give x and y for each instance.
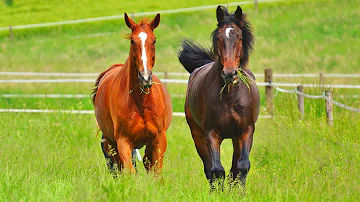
(143, 37)
(227, 31)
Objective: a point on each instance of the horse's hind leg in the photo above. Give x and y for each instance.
(134, 157)
(109, 150)
(240, 162)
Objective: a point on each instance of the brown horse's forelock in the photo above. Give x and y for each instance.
(247, 40)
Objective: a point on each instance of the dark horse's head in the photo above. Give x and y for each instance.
(232, 42)
(142, 50)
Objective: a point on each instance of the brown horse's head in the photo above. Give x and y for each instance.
(142, 50)
(232, 41)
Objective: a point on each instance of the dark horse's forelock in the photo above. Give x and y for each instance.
(247, 38)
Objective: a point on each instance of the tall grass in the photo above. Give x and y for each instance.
(58, 157)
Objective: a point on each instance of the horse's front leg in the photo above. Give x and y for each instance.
(208, 148)
(125, 154)
(217, 171)
(154, 153)
(240, 162)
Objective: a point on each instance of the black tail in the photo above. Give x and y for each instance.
(194, 55)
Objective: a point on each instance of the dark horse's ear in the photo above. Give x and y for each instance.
(219, 14)
(155, 22)
(238, 13)
(129, 22)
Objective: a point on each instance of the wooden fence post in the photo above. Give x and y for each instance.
(256, 4)
(300, 101)
(329, 108)
(269, 91)
(166, 76)
(10, 32)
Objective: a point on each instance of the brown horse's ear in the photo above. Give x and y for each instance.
(238, 13)
(219, 14)
(155, 22)
(129, 22)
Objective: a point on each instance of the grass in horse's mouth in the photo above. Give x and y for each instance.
(248, 81)
(241, 75)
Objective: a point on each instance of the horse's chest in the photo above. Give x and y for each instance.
(228, 120)
(143, 122)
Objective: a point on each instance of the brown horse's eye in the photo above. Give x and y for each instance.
(154, 41)
(132, 41)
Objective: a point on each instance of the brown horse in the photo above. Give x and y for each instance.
(219, 104)
(132, 106)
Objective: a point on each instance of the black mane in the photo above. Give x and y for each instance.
(244, 25)
(194, 55)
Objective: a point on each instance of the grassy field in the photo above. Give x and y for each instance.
(57, 157)
(292, 37)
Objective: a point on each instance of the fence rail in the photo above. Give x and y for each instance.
(62, 95)
(71, 74)
(177, 81)
(176, 114)
(49, 24)
(269, 85)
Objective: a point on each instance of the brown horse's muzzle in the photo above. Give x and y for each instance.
(145, 78)
(230, 76)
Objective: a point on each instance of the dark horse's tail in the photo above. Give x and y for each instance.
(194, 55)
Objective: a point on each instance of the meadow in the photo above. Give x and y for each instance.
(57, 157)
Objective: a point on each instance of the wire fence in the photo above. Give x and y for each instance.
(164, 80)
(322, 96)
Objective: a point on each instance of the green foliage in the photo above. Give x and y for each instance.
(9, 2)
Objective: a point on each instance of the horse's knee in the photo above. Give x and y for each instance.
(217, 171)
(243, 165)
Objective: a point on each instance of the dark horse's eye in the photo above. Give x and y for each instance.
(154, 41)
(132, 41)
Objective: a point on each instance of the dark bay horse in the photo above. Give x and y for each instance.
(219, 104)
(132, 106)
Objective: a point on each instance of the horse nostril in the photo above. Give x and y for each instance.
(228, 73)
(145, 78)
(231, 72)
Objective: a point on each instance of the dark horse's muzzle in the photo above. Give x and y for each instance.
(230, 77)
(145, 78)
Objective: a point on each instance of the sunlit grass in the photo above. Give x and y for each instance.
(310, 36)
(58, 157)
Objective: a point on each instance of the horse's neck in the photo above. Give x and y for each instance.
(131, 74)
(215, 73)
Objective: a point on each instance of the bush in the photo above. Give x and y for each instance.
(9, 2)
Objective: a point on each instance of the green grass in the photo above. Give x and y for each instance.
(57, 157)
(310, 36)
(40, 11)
